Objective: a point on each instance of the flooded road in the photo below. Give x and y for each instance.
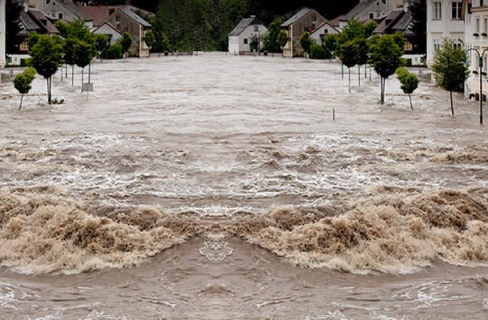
(221, 187)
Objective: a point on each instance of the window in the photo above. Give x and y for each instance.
(371, 15)
(456, 10)
(60, 15)
(256, 28)
(485, 26)
(437, 10)
(245, 41)
(437, 44)
(477, 26)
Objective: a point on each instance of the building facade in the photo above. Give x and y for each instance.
(2, 32)
(445, 20)
(126, 20)
(478, 56)
(305, 20)
(248, 31)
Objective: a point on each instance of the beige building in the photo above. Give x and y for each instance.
(126, 20)
(305, 20)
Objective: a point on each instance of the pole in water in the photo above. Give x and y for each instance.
(333, 114)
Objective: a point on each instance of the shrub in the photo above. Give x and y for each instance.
(317, 51)
(114, 52)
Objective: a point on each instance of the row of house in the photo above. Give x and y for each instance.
(40, 16)
(391, 15)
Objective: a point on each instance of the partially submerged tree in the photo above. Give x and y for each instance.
(125, 42)
(83, 56)
(409, 82)
(306, 42)
(348, 56)
(23, 82)
(329, 42)
(385, 56)
(46, 56)
(275, 39)
(450, 68)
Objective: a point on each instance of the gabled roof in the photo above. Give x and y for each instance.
(356, 10)
(297, 16)
(243, 24)
(111, 26)
(100, 13)
(397, 20)
(36, 21)
(134, 16)
(69, 7)
(326, 22)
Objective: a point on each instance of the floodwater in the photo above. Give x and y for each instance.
(223, 187)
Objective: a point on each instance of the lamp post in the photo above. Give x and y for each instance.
(480, 65)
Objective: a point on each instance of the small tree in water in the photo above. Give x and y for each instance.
(46, 54)
(385, 56)
(450, 68)
(409, 82)
(23, 82)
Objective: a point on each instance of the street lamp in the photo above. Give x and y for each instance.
(480, 65)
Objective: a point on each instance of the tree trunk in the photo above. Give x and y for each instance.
(359, 75)
(21, 98)
(82, 78)
(382, 81)
(48, 80)
(410, 98)
(452, 105)
(365, 71)
(349, 70)
(72, 75)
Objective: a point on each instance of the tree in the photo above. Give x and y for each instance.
(317, 51)
(385, 56)
(348, 55)
(101, 44)
(46, 57)
(450, 68)
(419, 26)
(83, 56)
(70, 55)
(330, 43)
(409, 82)
(275, 39)
(306, 42)
(12, 25)
(125, 41)
(23, 82)
(75, 33)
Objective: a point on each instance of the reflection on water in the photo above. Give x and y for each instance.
(219, 187)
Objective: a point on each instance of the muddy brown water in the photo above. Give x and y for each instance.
(220, 187)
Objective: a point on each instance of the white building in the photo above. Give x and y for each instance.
(247, 31)
(479, 43)
(2, 33)
(323, 30)
(445, 20)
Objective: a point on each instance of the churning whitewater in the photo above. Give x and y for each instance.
(224, 187)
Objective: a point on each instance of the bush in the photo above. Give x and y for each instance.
(317, 51)
(114, 52)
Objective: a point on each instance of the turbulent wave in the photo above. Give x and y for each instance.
(390, 230)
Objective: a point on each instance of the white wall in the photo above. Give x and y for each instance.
(2, 33)
(237, 44)
(324, 30)
(445, 27)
